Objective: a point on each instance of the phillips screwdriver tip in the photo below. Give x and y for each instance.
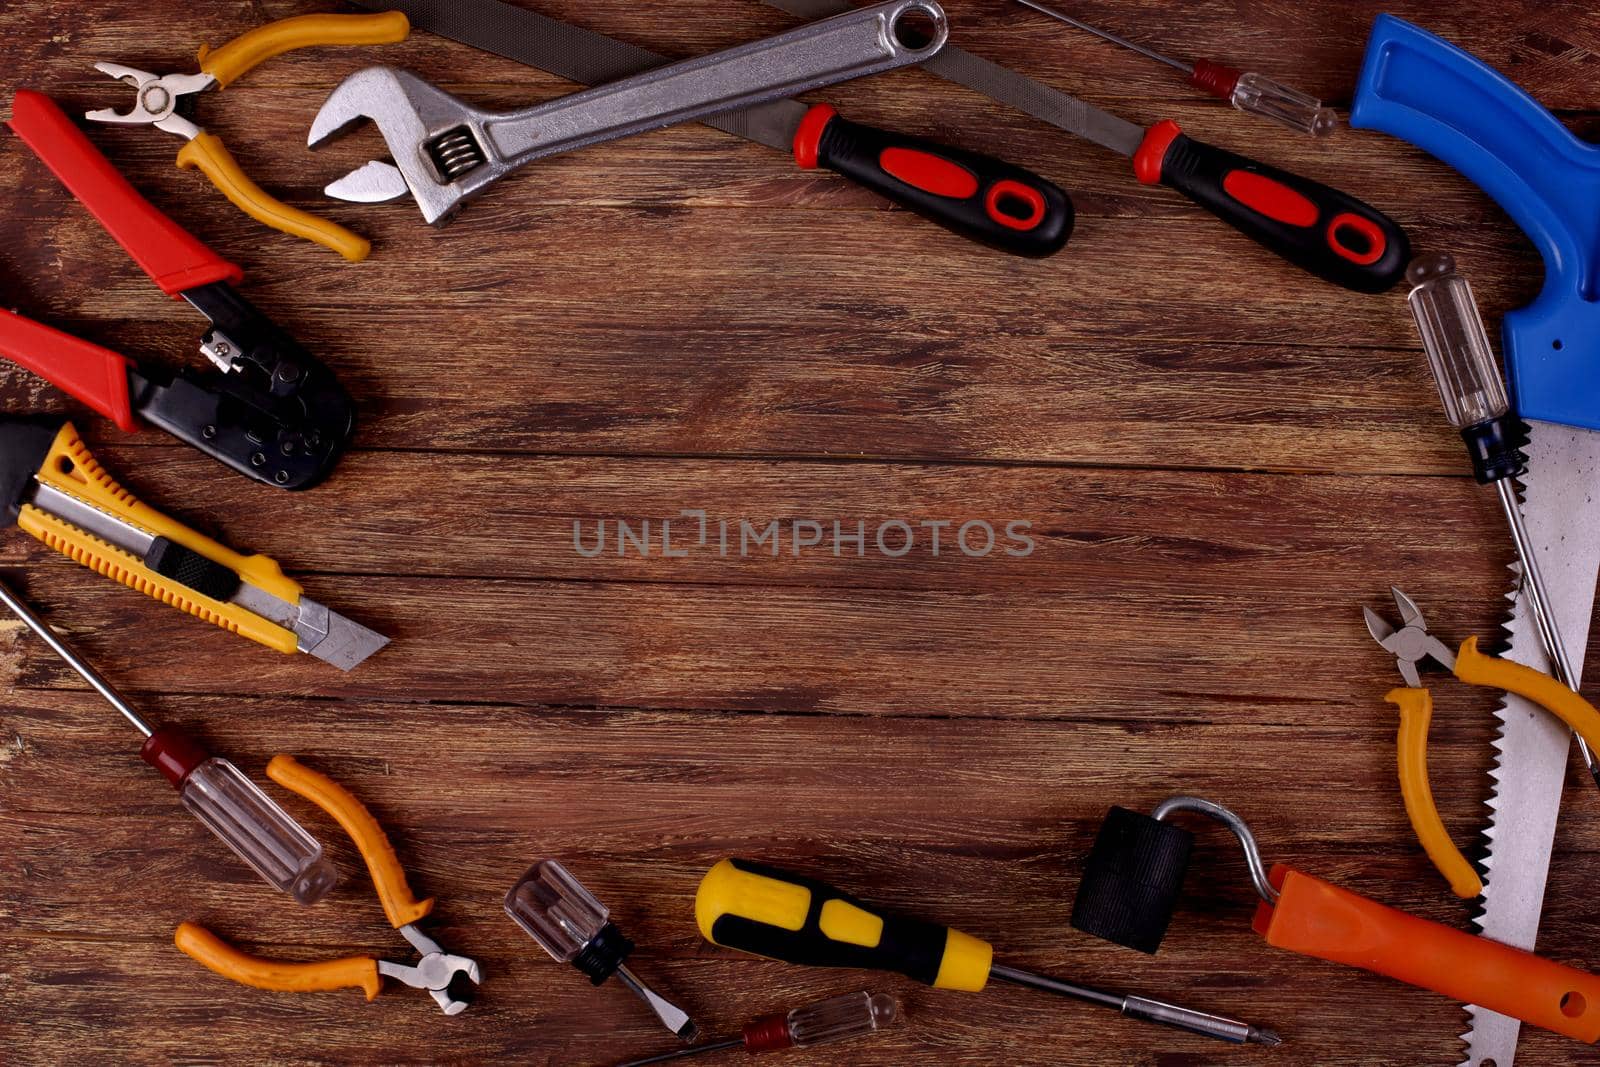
(1260, 1036)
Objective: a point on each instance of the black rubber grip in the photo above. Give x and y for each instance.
(907, 946)
(24, 444)
(980, 197)
(1320, 229)
(1132, 880)
(189, 568)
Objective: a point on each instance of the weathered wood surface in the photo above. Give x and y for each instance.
(1219, 461)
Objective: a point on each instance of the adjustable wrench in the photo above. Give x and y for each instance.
(445, 150)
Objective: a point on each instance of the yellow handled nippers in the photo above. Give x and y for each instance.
(1411, 644)
(166, 101)
(449, 979)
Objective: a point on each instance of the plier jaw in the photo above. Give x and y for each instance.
(1411, 644)
(449, 979)
(160, 100)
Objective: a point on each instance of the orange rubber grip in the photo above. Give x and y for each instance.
(210, 951)
(388, 876)
(1315, 918)
(1475, 668)
(1416, 712)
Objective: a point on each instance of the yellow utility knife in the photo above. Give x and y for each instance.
(166, 101)
(56, 491)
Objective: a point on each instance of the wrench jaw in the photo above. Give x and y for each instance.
(436, 141)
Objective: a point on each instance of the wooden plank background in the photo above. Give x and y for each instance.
(1221, 461)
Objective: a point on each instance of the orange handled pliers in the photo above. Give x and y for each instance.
(448, 979)
(166, 101)
(1413, 644)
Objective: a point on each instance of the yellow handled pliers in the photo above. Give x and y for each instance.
(1411, 644)
(166, 101)
(449, 979)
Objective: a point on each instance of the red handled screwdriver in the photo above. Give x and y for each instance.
(1254, 94)
(835, 1019)
(214, 790)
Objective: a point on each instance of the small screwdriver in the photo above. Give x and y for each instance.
(1254, 94)
(214, 790)
(573, 927)
(835, 1019)
(760, 909)
(1475, 402)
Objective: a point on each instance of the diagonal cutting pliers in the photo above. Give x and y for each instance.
(448, 978)
(167, 102)
(1411, 645)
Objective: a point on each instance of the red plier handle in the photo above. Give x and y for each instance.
(174, 258)
(97, 376)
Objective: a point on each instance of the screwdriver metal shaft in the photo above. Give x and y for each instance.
(1254, 94)
(1155, 1011)
(696, 1050)
(1107, 35)
(24, 611)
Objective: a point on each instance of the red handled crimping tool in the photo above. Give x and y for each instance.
(270, 410)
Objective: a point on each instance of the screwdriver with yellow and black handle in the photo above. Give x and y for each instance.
(783, 916)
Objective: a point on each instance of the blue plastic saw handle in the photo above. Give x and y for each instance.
(1422, 89)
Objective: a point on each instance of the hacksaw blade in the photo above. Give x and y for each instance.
(1561, 506)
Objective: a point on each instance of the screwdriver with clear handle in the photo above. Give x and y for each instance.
(1253, 94)
(826, 1021)
(556, 910)
(214, 790)
(769, 912)
(1474, 397)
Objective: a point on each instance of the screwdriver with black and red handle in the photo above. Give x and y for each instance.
(1314, 226)
(783, 916)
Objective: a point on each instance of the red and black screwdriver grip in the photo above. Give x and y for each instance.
(974, 195)
(1320, 229)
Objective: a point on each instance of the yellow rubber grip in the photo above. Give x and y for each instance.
(251, 49)
(210, 951)
(207, 153)
(71, 468)
(388, 876)
(784, 916)
(1475, 668)
(1416, 712)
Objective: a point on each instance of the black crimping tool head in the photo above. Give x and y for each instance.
(270, 410)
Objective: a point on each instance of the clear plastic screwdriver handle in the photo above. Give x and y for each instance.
(1458, 348)
(852, 1015)
(1256, 94)
(258, 830)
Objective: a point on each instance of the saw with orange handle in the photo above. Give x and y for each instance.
(55, 490)
(448, 978)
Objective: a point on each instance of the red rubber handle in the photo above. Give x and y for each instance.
(97, 376)
(174, 258)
